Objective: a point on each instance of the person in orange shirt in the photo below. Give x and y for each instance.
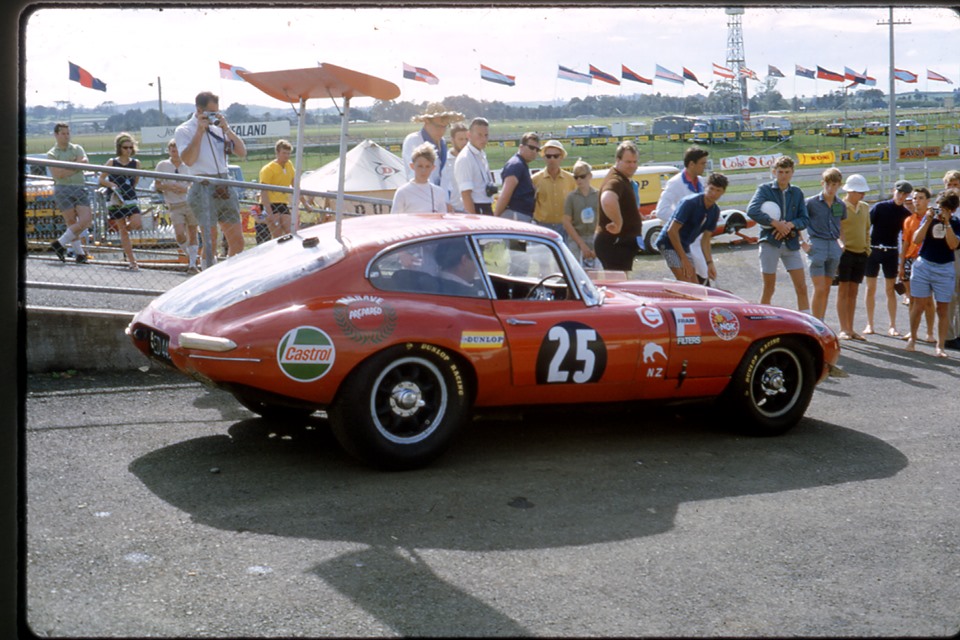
(918, 204)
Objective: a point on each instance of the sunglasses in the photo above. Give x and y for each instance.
(551, 156)
(582, 177)
(532, 147)
(126, 146)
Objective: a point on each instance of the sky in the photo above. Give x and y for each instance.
(130, 48)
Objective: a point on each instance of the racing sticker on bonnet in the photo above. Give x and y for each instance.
(725, 323)
(306, 354)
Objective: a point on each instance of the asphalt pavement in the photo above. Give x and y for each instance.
(156, 507)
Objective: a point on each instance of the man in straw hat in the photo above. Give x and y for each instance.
(552, 185)
(435, 120)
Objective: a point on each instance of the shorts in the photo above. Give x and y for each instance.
(673, 258)
(70, 196)
(616, 253)
(824, 257)
(908, 268)
(483, 208)
(852, 267)
(933, 278)
(182, 213)
(771, 255)
(279, 208)
(210, 210)
(119, 213)
(556, 226)
(887, 259)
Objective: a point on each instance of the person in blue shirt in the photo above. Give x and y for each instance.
(933, 271)
(694, 218)
(518, 197)
(781, 211)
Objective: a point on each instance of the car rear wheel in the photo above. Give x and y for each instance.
(401, 408)
(772, 387)
(650, 239)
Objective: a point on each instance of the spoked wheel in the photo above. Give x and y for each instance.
(773, 385)
(400, 409)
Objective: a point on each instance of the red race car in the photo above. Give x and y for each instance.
(408, 323)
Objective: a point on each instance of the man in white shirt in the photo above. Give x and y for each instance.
(204, 143)
(473, 171)
(688, 181)
(435, 120)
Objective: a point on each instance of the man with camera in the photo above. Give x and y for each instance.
(205, 142)
(472, 171)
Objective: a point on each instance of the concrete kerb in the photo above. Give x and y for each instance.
(59, 339)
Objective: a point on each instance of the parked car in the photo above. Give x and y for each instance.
(731, 221)
(383, 327)
(907, 123)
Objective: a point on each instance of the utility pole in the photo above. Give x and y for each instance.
(159, 98)
(892, 129)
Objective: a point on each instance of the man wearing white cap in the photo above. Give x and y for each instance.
(855, 240)
(435, 120)
(552, 185)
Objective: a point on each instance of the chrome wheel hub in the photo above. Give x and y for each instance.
(406, 399)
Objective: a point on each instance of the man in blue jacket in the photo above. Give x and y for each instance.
(781, 211)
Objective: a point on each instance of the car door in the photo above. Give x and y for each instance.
(560, 346)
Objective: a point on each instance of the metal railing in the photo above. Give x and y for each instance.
(162, 263)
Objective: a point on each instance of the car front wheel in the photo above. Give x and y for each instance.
(772, 387)
(400, 409)
(650, 239)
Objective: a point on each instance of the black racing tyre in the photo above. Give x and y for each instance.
(772, 386)
(734, 224)
(401, 408)
(650, 240)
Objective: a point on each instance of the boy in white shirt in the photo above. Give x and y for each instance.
(420, 195)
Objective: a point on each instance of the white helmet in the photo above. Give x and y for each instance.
(772, 209)
(856, 183)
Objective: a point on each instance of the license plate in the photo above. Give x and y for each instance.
(160, 346)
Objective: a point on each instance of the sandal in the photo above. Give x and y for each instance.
(893, 333)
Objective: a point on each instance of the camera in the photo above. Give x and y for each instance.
(492, 189)
(213, 117)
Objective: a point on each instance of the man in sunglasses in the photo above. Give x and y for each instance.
(517, 199)
(552, 185)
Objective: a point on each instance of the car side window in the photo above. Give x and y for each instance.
(445, 266)
(516, 266)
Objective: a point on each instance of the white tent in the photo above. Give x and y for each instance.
(370, 170)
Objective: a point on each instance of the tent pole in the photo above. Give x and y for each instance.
(341, 177)
(295, 205)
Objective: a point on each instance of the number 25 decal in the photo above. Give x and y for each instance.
(571, 352)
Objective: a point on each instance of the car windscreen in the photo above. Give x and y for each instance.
(249, 274)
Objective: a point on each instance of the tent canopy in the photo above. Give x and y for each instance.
(323, 81)
(368, 167)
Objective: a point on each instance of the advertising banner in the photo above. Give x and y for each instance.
(822, 157)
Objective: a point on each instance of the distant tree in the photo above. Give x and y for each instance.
(237, 113)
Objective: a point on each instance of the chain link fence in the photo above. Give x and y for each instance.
(162, 263)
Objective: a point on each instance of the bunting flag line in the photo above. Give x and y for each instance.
(596, 74)
(803, 72)
(229, 72)
(774, 72)
(666, 74)
(723, 72)
(826, 74)
(569, 74)
(904, 76)
(627, 74)
(83, 76)
(688, 75)
(486, 73)
(419, 74)
(933, 75)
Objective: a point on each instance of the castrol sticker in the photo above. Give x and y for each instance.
(306, 354)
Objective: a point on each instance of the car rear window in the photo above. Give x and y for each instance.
(249, 274)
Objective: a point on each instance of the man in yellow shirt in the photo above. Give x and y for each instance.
(276, 204)
(855, 240)
(552, 185)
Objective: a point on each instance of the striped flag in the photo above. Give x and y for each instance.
(774, 72)
(933, 75)
(749, 73)
(419, 74)
(826, 74)
(669, 76)
(486, 73)
(723, 72)
(229, 72)
(627, 74)
(596, 74)
(688, 75)
(575, 76)
(83, 76)
(803, 72)
(854, 77)
(904, 76)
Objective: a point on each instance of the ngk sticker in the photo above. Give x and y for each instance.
(725, 324)
(306, 354)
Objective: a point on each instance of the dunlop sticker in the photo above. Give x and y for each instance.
(481, 340)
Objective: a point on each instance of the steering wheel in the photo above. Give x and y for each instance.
(533, 295)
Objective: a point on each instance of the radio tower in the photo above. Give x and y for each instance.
(736, 59)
